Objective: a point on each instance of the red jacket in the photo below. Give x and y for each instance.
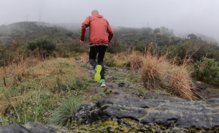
(100, 30)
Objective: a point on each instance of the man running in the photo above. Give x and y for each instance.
(100, 34)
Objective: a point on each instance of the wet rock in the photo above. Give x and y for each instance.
(31, 128)
(124, 84)
(1, 120)
(40, 128)
(112, 85)
(167, 111)
(121, 84)
(14, 128)
(82, 114)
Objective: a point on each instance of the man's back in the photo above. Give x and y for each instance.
(100, 30)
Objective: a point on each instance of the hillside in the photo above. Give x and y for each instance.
(32, 30)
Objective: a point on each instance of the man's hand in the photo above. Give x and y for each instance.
(81, 42)
(84, 46)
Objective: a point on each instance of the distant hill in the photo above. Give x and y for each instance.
(207, 38)
(201, 36)
(137, 37)
(33, 30)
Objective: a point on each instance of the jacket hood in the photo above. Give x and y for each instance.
(98, 16)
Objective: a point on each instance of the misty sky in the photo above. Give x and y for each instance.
(182, 16)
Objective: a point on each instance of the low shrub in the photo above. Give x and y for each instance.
(207, 70)
(70, 47)
(194, 49)
(44, 46)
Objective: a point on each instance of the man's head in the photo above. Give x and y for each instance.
(94, 12)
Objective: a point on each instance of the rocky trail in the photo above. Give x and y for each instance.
(127, 107)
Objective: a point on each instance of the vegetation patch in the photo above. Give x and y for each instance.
(41, 89)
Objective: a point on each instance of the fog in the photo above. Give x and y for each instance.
(182, 16)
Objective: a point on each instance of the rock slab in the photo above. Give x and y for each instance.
(31, 128)
(167, 111)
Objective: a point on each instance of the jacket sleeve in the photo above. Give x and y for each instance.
(84, 25)
(110, 32)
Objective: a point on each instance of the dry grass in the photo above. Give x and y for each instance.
(136, 61)
(121, 59)
(159, 72)
(82, 57)
(125, 59)
(34, 68)
(13, 74)
(3, 103)
(17, 70)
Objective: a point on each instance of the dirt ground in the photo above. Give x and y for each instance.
(207, 91)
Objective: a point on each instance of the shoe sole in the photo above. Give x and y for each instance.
(97, 76)
(103, 85)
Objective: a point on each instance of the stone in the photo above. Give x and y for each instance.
(1, 120)
(32, 128)
(14, 128)
(166, 111)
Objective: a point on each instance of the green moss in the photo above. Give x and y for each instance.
(113, 126)
(126, 125)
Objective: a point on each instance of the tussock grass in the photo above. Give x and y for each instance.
(158, 72)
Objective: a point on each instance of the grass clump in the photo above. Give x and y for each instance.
(158, 72)
(63, 115)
